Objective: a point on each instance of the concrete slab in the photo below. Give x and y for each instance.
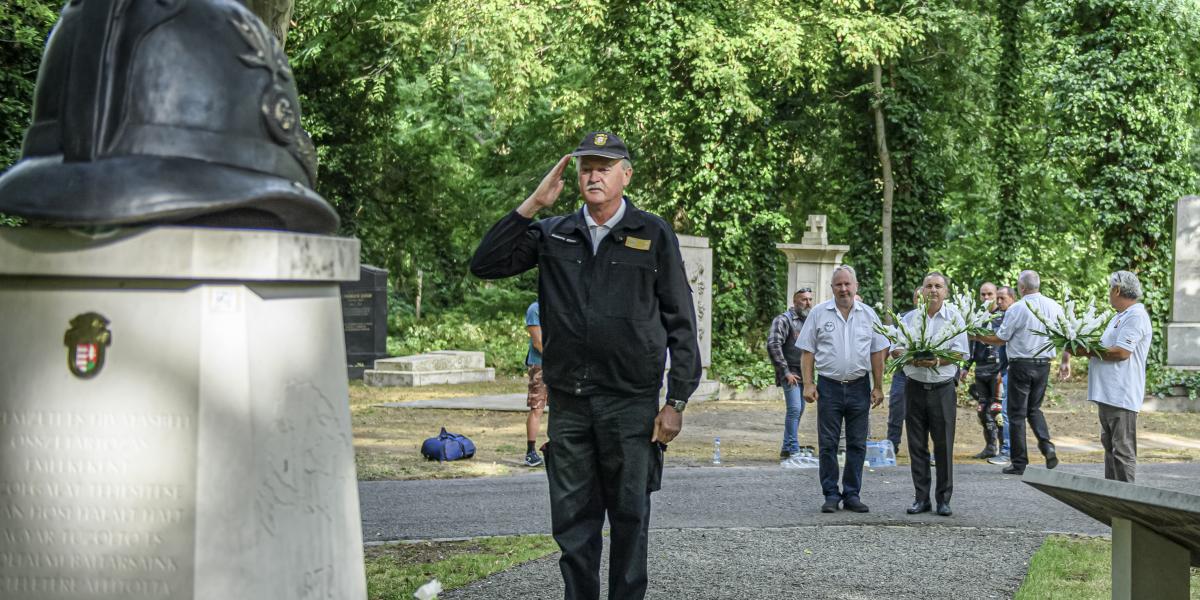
(502, 402)
(375, 378)
(1171, 514)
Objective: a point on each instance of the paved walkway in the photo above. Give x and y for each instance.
(746, 532)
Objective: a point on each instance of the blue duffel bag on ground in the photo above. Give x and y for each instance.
(448, 446)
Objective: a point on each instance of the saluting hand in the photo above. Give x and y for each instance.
(547, 191)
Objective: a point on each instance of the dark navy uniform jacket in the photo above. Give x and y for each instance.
(608, 320)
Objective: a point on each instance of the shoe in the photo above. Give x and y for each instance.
(533, 459)
(919, 507)
(1051, 459)
(999, 459)
(786, 454)
(985, 453)
(855, 505)
(943, 509)
(1011, 470)
(829, 506)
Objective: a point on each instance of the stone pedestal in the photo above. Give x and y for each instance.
(1183, 332)
(811, 262)
(697, 260)
(173, 416)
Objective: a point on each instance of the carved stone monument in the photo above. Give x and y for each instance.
(697, 260)
(173, 416)
(1183, 332)
(811, 262)
(173, 404)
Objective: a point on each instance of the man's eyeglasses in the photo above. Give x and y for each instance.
(804, 290)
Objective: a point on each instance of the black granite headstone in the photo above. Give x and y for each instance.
(364, 318)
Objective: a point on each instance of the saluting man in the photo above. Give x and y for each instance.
(840, 341)
(614, 300)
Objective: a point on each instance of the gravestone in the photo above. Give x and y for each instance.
(1155, 532)
(1183, 332)
(364, 319)
(173, 416)
(811, 262)
(697, 262)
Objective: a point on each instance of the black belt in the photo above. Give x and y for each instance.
(845, 382)
(1030, 361)
(930, 386)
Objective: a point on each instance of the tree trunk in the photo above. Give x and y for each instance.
(277, 14)
(889, 184)
(420, 290)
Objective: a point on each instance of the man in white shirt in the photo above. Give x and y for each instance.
(1028, 369)
(929, 395)
(1117, 375)
(840, 341)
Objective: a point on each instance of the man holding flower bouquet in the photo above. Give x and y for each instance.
(1029, 355)
(932, 341)
(1117, 375)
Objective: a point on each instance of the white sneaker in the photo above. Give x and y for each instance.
(999, 459)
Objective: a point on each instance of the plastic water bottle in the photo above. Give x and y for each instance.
(716, 451)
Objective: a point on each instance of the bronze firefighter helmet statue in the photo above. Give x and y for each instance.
(165, 111)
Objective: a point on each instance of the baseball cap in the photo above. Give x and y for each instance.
(602, 143)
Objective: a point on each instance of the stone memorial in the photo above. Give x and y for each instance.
(432, 368)
(811, 262)
(364, 319)
(1155, 533)
(697, 261)
(1183, 331)
(173, 411)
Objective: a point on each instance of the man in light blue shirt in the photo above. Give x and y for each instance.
(840, 341)
(1117, 375)
(537, 395)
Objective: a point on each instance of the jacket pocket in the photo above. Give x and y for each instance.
(627, 290)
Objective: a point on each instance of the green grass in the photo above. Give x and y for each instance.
(1075, 569)
(395, 571)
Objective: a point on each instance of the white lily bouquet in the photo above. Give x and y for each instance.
(917, 340)
(1074, 330)
(976, 315)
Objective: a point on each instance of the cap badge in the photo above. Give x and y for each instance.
(601, 139)
(86, 341)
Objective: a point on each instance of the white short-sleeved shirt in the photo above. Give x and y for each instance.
(841, 348)
(1019, 325)
(947, 316)
(1122, 383)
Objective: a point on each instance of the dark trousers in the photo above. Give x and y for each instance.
(1118, 435)
(599, 461)
(1027, 389)
(896, 409)
(838, 402)
(931, 414)
(985, 391)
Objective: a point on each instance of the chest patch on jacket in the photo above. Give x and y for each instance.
(637, 243)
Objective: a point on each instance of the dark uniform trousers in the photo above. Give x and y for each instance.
(931, 414)
(1026, 389)
(599, 461)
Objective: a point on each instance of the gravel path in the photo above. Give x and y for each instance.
(842, 562)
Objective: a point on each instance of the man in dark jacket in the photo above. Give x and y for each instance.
(785, 357)
(614, 300)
